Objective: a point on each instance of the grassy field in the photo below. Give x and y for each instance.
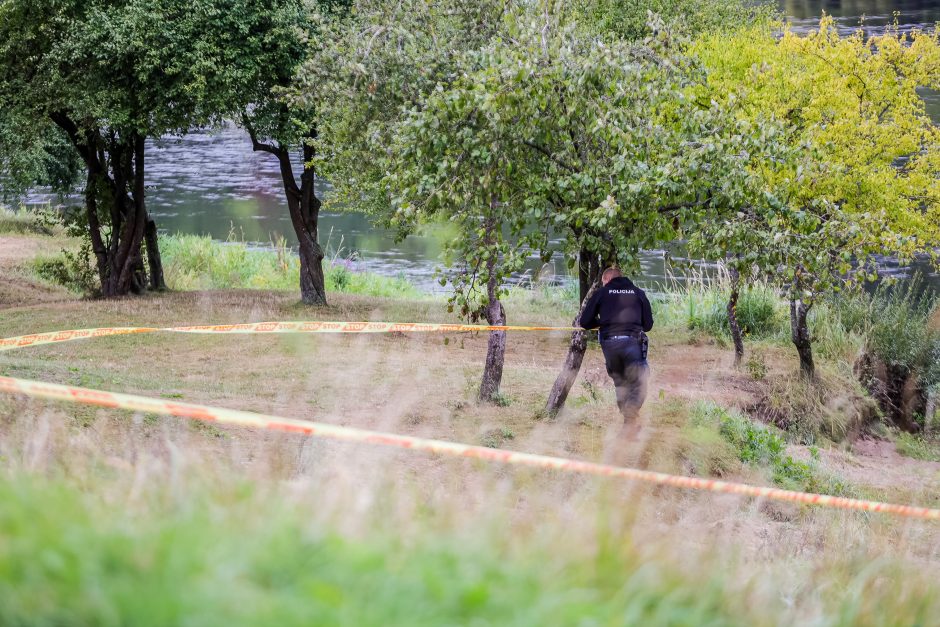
(110, 518)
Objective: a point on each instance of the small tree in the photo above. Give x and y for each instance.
(389, 142)
(856, 172)
(103, 77)
(281, 121)
(597, 141)
(449, 165)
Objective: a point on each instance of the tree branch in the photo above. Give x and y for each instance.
(685, 205)
(545, 151)
(255, 144)
(63, 121)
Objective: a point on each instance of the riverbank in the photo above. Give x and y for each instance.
(271, 527)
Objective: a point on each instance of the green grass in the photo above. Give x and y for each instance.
(193, 262)
(700, 305)
(71, 559)
(763, 446)
(555, 302)
(918, 447)
(21, 222)
(236, 555)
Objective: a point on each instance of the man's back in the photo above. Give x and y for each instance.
(619, 308)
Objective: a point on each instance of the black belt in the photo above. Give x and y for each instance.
(623, 337)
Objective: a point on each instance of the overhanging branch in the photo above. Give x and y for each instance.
(545, 151)
(685, 205)
(255, 144)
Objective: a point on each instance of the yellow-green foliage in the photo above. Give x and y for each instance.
(851, 104)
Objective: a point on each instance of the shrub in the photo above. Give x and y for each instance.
(762, 446)
(755, 443)
(758, 312)
(756, 366)
(900, 332)
(70, 269)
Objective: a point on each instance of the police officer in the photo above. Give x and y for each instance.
(623, 313)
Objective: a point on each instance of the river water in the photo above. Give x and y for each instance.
(211, 183)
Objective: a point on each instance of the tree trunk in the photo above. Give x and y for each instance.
(573, 360)
(157, 282)
(589, 270)
(115, 165)
(495, 316)
(733, 324)
(304, 209)
(128, 217)
(98, 246)
(312, 278)
(496, 347)
(799, 334)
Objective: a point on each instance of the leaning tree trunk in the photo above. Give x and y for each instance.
(799, 335)
(304, 209)
(496, 347)
(733, 325)
(589, 271)
(572, 365)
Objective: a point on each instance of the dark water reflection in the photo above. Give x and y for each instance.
(211, 183)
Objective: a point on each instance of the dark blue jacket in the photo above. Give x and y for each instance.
(618, 308)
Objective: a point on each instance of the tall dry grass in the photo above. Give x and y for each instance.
(116, 518)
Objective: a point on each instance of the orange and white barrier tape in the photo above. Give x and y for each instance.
(86, 396)
(313, 326)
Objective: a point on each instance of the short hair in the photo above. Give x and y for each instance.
(610, 273)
